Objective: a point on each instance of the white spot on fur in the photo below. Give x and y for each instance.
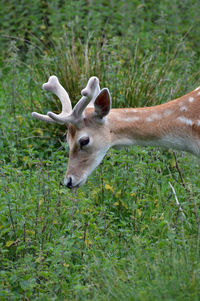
(134, 111)
(167, 113)
(183, 109)
(198, 93)
(198, 122)
(197, 88)
(155, 116)
(191, 99)
(185, 120)
(135, 118)
(130, 119)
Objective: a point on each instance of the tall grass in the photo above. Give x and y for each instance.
(133, 77)
(122, 235)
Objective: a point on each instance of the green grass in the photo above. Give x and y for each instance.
(121, 236)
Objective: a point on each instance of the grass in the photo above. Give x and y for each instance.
(118, 237)
(122, 236)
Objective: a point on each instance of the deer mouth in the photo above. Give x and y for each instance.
(71, 182)
(80, 183)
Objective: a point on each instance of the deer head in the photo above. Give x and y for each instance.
(88, 137)
(93, 127)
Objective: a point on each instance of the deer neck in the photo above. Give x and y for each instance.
(165, 125)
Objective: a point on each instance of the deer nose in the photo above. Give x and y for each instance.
(68, 183)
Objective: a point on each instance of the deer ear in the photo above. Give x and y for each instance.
(102, 104)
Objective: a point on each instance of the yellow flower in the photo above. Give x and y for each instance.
(108, 187)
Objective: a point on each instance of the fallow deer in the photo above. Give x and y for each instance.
(93, 127)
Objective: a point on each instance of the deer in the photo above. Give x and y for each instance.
(93, 126)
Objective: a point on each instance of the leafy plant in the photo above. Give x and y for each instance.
(122, 236)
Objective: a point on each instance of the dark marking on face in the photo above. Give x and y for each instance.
(71, 130)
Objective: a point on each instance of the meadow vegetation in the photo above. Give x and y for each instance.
(122, 235)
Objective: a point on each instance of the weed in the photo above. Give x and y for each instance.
(126, 234)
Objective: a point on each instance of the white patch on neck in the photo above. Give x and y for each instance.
(198, 122)
(149, 119)
(185, 120)
(191, 99)
(131, 119)
(125, 141)
(198, 93)
(152, 117)
(155, 116)
(167, 113)
(183, 109)
(168, 141)
(134, 118)
(175, 142)
(128, 119)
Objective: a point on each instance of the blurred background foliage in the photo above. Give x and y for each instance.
(164, 23)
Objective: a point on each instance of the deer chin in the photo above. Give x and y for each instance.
(75, 181)
(80, 183)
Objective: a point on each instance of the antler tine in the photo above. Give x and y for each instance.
(42, 117)
(88, 94)
(54, 86)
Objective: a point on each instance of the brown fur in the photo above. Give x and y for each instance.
(179, 119)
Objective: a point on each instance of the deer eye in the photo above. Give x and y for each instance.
(84, 141)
